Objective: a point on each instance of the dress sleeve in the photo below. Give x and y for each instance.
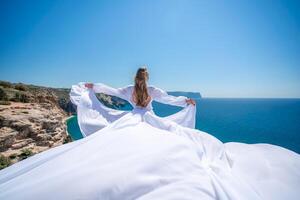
(161, 96)
(118, 92)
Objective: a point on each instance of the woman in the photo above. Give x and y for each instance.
(138, 155)
(139, 95)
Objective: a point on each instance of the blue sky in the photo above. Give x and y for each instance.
(219, 48)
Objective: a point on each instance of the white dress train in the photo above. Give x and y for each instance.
(138, 155)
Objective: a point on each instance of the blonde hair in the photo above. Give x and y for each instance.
(141, 95)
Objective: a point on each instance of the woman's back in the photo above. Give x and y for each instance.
(132, 100)
(155, 94)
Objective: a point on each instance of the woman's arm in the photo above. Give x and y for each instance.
(102, 88)
(163, 97)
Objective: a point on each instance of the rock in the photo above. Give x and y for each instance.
(28, 125)
(43, 143)
(4, 122)
(43, 137)
(24, 129)
(57, 137)
(51, 143)
(7, 138)
(21, 144)
(50, 125)
(6, 143)
(33, 120)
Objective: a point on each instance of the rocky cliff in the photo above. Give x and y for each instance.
(31, 121)
(32, 127)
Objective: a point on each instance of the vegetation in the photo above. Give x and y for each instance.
(21, 97)
(3, 95)
(13, 156)
(25, 153)
(19, 92)
(21, 87)
(67, 139)
(7, 161)
(5, 103)
(6, 84)
(4, 161)
(24, 98)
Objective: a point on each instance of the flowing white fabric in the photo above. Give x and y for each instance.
(93, 115)
(138, 155)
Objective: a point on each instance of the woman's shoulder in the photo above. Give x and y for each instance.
(152, 87)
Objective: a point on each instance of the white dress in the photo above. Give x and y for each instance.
(138, 155)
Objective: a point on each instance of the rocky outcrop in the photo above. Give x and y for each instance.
(30, 128)
(32, 119)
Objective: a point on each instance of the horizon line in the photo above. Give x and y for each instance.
(202, 96)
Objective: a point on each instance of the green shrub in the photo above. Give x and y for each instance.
(21, 97)
(6, 84)
(3, 95)
(16, 98)
(21, 87)
(5, 103)
(13, 156)
(67, 139)
(25, 98)
(4, 161)
(25, 153)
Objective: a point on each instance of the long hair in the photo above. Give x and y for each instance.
(141, 96)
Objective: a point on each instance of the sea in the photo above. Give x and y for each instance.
(254, 120)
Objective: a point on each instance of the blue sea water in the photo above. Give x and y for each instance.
(274, 121)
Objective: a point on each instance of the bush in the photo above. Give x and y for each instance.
(21, 87)
(62, 103)
(25, 98)
(3, 95)
(6, 84)
(67, 139)
(5, 103)
(13, 156)
(16, 98)
(21, 97)
(4, 161)
(25, 153)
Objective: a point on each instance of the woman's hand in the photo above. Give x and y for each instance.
(89, 85)
(191, 101)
